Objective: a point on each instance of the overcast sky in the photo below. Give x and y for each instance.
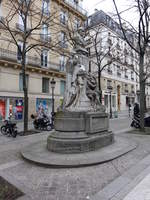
(108, 7)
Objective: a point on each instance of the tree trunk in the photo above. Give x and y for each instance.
(142, 92)
(99, 85)
(25, 90)
(145, 102)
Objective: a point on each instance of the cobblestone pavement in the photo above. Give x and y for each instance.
(64, 184)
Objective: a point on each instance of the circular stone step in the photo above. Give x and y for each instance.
(39, 154)
(79, 145)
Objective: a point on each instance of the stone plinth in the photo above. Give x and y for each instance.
(77, 132)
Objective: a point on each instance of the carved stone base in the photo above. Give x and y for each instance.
(77, 132)
(91, 143)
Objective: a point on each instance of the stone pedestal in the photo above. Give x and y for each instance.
(77, 132)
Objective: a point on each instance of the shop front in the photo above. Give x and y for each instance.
(44, 105)
(11, 107)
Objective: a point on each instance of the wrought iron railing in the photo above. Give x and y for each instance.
(35, 61)
(76, 6)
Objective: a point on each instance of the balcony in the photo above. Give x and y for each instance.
(45, 38)
(118, 73)
(132, 78)
(109, 87)
(126, 52)
(63, 44)
(126, 90)
(109, 71)
(19, 27)
(1, 21)
(118, 46)
(76, 6)
(109, 41)
(11, 56)
(118, 58)
(62, 67)
(46, 12)
(63, 21)
(126, 76)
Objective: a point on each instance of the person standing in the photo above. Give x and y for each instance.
(136, 116)
(129, 109)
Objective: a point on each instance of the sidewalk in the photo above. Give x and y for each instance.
(132, 185)
(40, 183)
(119, 179)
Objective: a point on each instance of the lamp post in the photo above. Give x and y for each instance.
(53, 82)
(110, 90)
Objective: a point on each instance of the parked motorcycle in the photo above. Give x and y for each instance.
(42, 123)
(9, 128)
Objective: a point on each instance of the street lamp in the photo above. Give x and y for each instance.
(53, 82)
(110, 90)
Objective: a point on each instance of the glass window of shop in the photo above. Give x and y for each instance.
(44, 105)
(2, 109)
(16, 109)
(11, 107)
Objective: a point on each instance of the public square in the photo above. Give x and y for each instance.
(74, 100)
(112, 180)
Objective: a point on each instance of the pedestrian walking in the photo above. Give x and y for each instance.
(129, 109)
(136, 116)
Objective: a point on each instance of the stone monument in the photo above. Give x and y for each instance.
(82, 124)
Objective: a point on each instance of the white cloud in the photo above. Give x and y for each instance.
(108, 7)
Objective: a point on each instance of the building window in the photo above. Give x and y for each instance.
(113, 101)
(76, 23)
(19, 51)
(126, 75)
(126, 88)
(45, 7)
(45, 85)
(132, 75)
(63, 17)
(118, 70)
(63, 39)
(0, 9)
(45, 35)
(21, 81)
(44, 58)
(21, 18)
(109, 83)
(45, 30)
(62, 87)
(106, 100)
(62, 63)
(109, 69)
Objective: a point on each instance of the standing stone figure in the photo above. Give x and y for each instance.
(81, 86)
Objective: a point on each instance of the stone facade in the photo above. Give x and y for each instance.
(39, 72)
(121, 73)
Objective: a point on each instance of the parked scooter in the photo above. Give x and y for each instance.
(9, 128)
(42, 123)
(135, 123)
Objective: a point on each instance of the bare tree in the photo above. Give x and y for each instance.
(33, 19)
(101, 49)
(141, 35)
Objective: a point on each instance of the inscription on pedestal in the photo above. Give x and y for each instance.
(96, 122)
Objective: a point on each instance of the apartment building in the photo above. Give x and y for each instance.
(120, 82)
(42, 63)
